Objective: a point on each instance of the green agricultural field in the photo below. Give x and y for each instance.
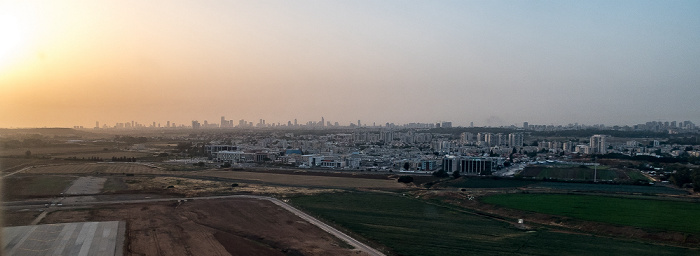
(653, 214)
(636, 175)
(476, 182)
(414, 227)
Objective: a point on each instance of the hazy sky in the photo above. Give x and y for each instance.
(65, 63)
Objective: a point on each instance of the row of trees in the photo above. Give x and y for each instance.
(123, 159)
(92, 159)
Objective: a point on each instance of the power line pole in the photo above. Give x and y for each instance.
(595, 170)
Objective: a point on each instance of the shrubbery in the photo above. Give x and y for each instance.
(405, 179)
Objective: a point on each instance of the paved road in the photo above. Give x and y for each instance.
(20, 170)
(337, 233)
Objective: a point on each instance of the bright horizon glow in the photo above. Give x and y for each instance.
(488, 62)
(12, 34)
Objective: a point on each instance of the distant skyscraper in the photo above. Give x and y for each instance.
(97, 124)
(168, 124)
(525, 125)
(359, 124)
(515, 139)
(295, 122)
(323, 122)
(597, 144)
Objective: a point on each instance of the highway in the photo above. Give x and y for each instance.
(53, 204)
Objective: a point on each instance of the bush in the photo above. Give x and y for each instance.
(441, 174)
(405, 179)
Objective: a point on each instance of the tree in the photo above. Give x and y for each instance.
(696, 181)
(226, 165)
(406, 165)
(28, 153)
(441, 174)
(456, 174)
(405, 179)
(682, 176)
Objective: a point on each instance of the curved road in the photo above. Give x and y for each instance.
(337, 233)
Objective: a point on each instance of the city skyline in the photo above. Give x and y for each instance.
(494, 63)
(224, 123)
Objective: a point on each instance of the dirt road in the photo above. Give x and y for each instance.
(357, 244)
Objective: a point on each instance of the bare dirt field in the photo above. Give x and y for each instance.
(58, 150)
(19, 218)
(94, 168)
(212, 227)
(188, 187)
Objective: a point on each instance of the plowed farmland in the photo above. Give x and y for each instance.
(213, 227)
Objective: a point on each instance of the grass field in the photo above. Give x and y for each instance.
(413, 227)
(609, 188)
(570, 173)
(636, 175)
(307, 180)
(654, 214)
(15, 188)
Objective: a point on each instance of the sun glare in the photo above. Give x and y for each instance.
(11, 37)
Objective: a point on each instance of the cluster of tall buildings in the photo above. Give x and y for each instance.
(663, 126)
(487, 139)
